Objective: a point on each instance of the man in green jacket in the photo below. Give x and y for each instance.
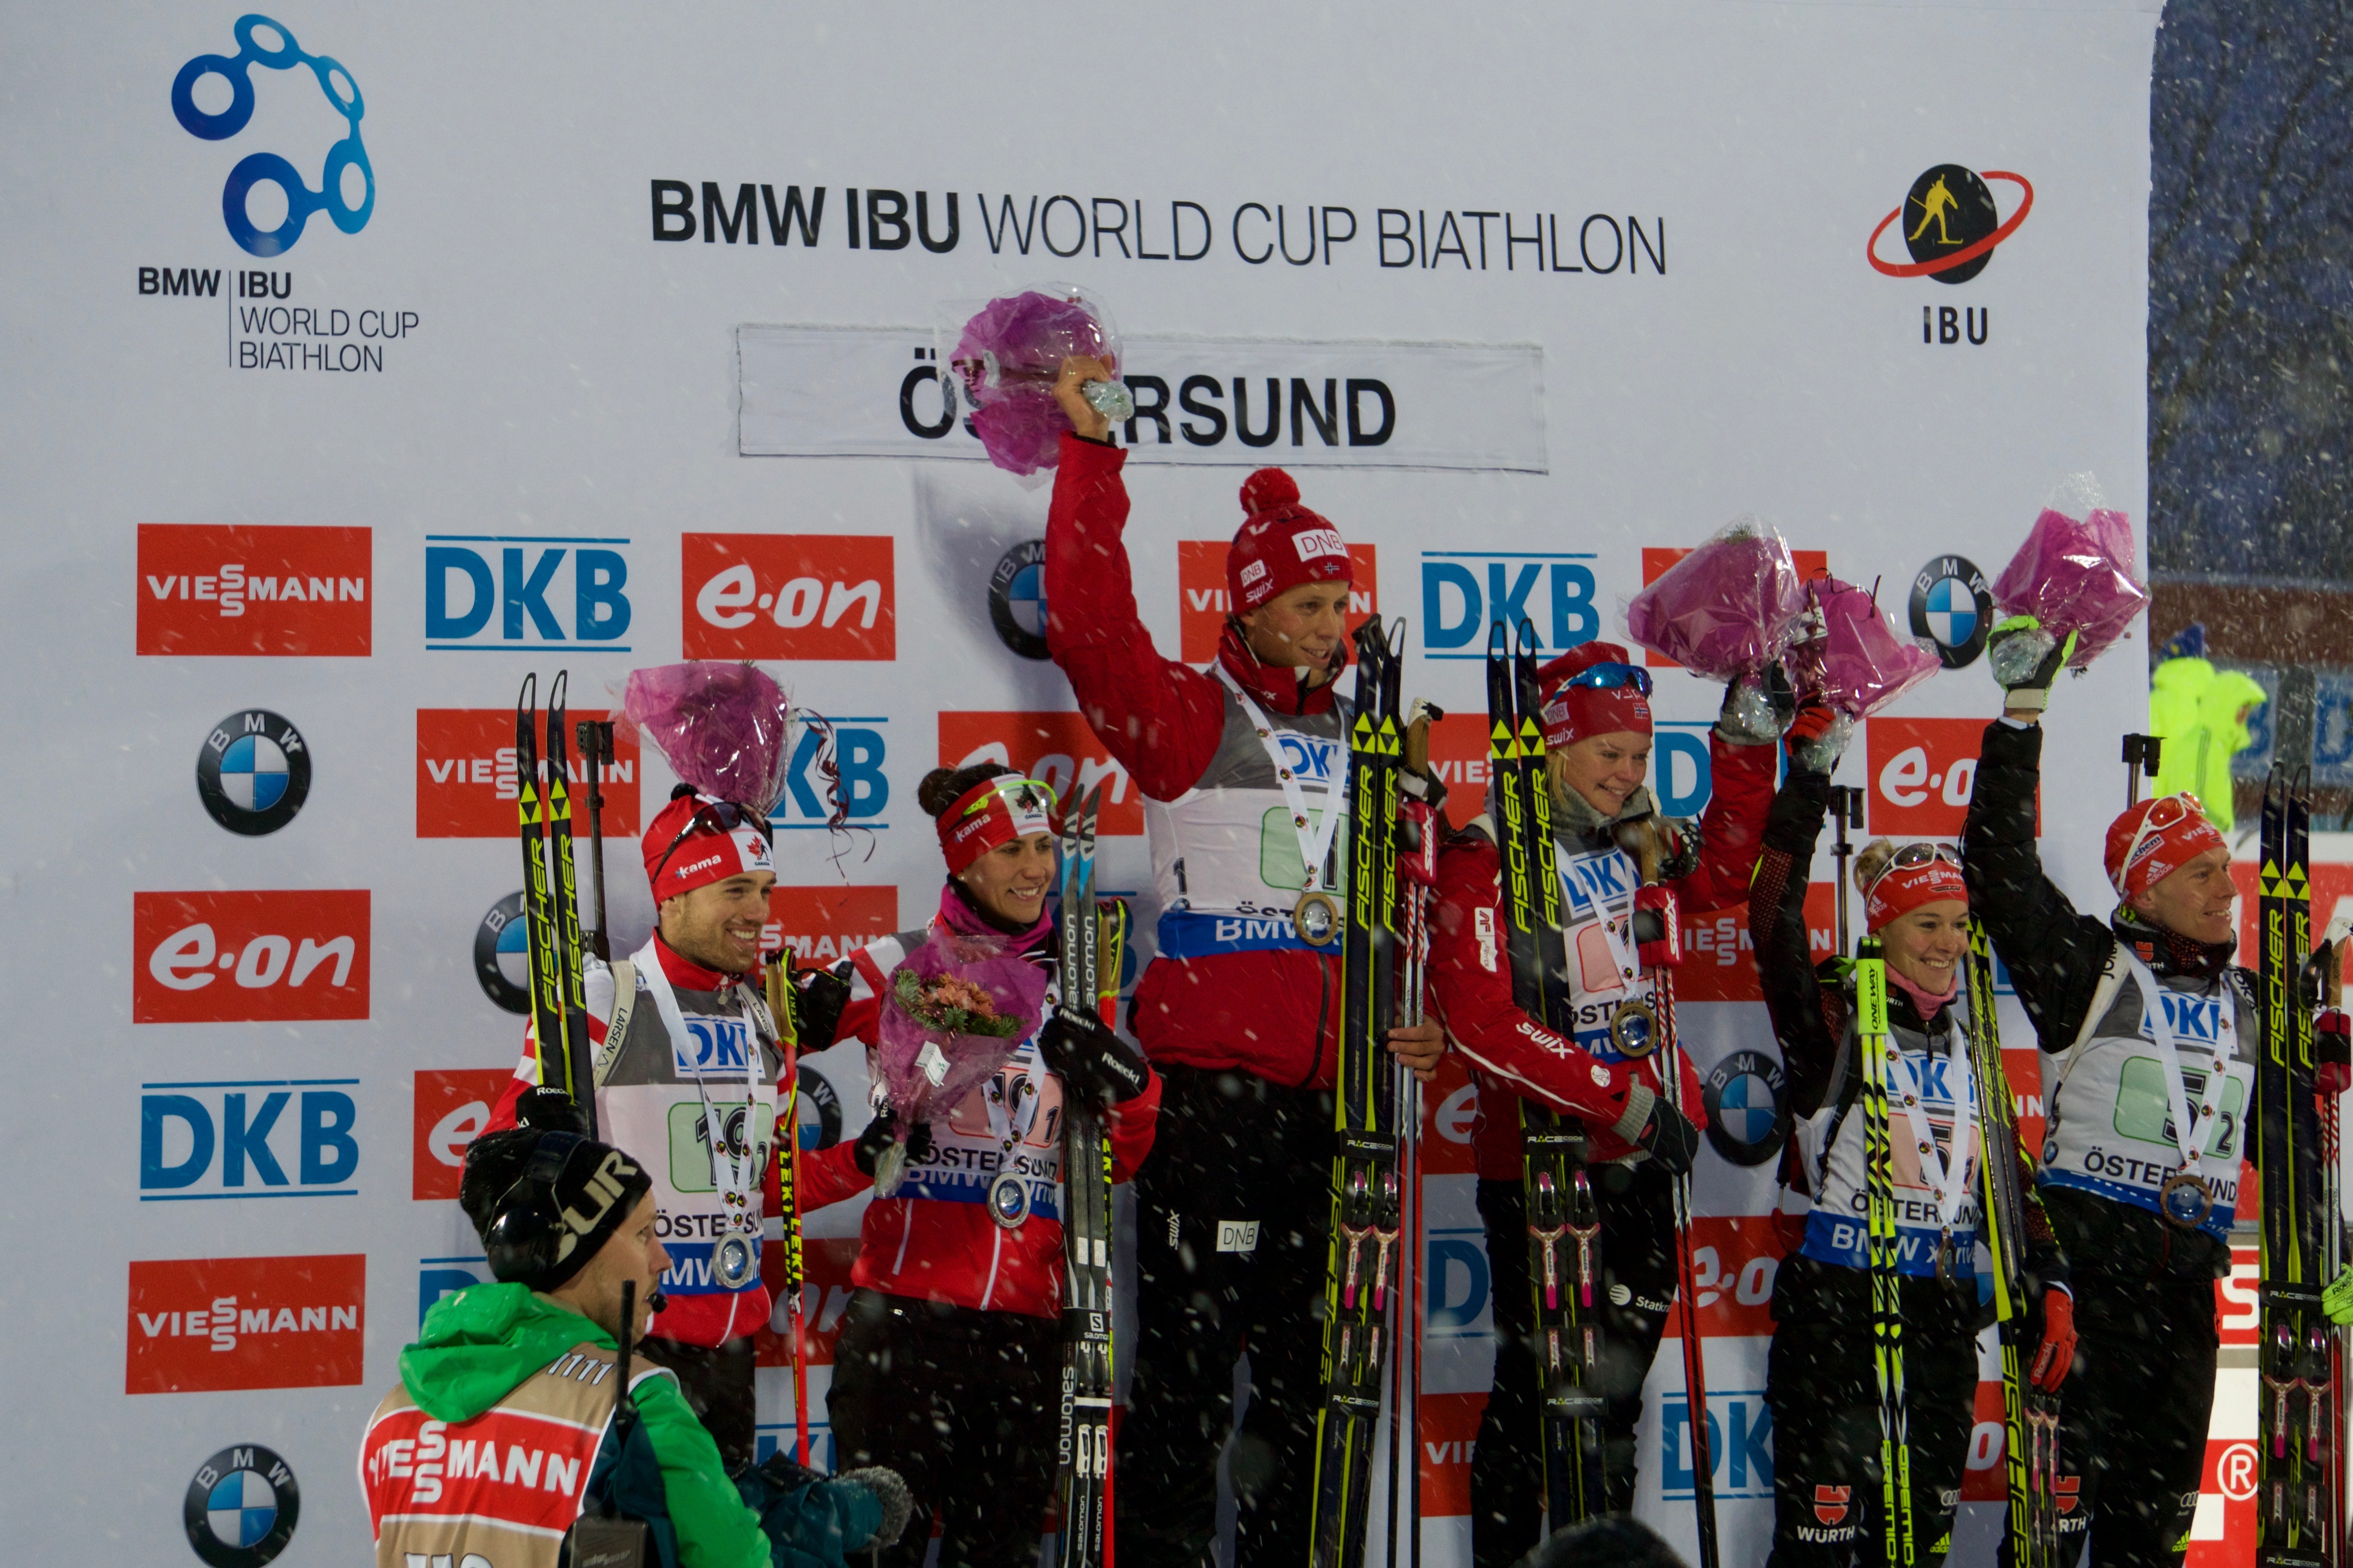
(503, 1430)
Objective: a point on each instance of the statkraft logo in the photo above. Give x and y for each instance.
(258, 1138)
(453, 1106)
(823, 925)
(860, 750)
(208, 589)
(210, 1324)
(466, 775)
(213, 98)
(544, 594)
(788, 596)
(1058, 748)
(1463, 592)
(244, 957)
(1204, 602)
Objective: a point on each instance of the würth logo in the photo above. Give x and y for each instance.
(237, 957)
(788, 596)
(466, 775)
(207, 589)
(212, 1323)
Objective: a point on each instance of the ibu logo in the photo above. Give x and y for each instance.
(257, 1137)
(213, 98)
(1464, 592)
(546, 595)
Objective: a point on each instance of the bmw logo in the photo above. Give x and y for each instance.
(241, 1506)
(502, 954)
(1016, 599)
(254, 772)
(1747, 1115)
(1952, 606)
(818, 1109)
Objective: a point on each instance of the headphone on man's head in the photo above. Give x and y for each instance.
(526, 1226)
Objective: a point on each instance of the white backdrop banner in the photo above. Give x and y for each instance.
(364, 360)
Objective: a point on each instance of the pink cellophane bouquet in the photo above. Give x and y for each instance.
(2073, 574)
(725, 727)
(969, 999)
(1005, 359)
(1854, 661)
(1726, 610)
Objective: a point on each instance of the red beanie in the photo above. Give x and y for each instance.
(1283, 545)
(707, 855)
(1571, 713)
(2176, 833)
(1902, 889)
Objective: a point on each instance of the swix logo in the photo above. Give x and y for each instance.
(453, 1106)
(1204, 604)
(207, 589)
(241, 957)
(466, 775)
(486, 592)
(823, 925)
(1830, 1503)
(237, 1140)
(714, 1047)
(860, 747)
(788, 596)
(1656, 559)
(1058, 748)
(1923, 772)
(218, 1323)
(1464, 592)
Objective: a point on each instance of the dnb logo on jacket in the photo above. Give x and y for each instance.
(1952, 606)
(241, 1506)
(207, 590)
(253, 772)
(1747, 1115)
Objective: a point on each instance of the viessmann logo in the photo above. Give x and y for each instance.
(210, 1324)
(240, 956)
(1204, 602)
(788, 596)
(208, 589)
(466, 775)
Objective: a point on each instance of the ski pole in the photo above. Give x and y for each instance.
(596, 750)
(2140, 752)
(1846, 804)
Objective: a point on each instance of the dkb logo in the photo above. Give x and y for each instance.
(346, 190)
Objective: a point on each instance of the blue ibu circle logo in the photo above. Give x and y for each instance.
(1952, 606)
(1016, 599)
(253, 773)
(1747, 1100)
(502, 954)
(346, 192)
(241, 1506)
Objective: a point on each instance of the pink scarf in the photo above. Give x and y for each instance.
(1925, 1002)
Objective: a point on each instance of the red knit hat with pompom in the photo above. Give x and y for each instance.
(1283, 545)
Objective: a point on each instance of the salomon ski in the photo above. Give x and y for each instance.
(1084, 1430)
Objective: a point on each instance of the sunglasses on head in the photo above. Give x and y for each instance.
(1912, 856)
(2171, 811)
(1610, 677)
(723, 816)
(1018, 794)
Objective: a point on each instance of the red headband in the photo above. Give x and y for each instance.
(993, 812)
(1283, 545)
(1572, 714)
(1902, 889)
(706, 854)
(2179, 835)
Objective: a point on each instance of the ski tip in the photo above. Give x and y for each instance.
(527, 700)
(556, 691)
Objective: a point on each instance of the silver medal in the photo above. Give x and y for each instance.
(735, 1262)
(1008, 1201)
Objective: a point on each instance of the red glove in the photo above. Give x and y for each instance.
(2333, 1043)
(1812, 723)
(1664, 944)
(2057, 1353)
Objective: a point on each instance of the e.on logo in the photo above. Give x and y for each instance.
(1205, 604)
(214, 1323)
(1923, 772)
(466, 775)
(1058, 748)
(214, 589)
(453, 1106)
(237, 957)
(788, 596)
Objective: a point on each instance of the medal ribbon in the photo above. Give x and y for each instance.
(2191, 1130)
(736, 1187)
(1316, 841)
(1948, 1182)
(1624, 952)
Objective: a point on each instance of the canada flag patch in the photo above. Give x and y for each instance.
(2068, 1491)
(1830, 1503)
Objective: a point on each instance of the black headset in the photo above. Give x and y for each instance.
(525, 1226)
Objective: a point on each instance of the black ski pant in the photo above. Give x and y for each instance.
(1233, 1209)
(1637, 1289)
(717, 1382)
(1822, 1385)
(964, 1405)
(2133, 1419)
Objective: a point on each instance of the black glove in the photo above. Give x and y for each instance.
(2009, 650)
(820, 995)
(881, 1132)
(549, 1109)
(1092, 1061)
(1672, 1140)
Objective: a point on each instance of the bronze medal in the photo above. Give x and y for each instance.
(1634, 1029)
(1316, 917)
(2185, 1200)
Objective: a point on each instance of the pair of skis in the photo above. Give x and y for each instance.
(1089, 933)
(551, 893)
(2299, 1509)
(782, 996)
(1883, 1253)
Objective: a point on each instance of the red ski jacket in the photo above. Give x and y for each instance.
(1274, 1014)
(1511, 1054)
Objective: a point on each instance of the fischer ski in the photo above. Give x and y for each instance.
(1561, 1212)
(559, 1015)
(1083, 1431)
(782, 995)
(1366, 1198)
(1419, 829)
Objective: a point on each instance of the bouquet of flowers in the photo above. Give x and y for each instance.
(1005, 359)
(1727, 611)
(723, 726)
(1853, 660)
(957, 1008)
(2073, 574)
